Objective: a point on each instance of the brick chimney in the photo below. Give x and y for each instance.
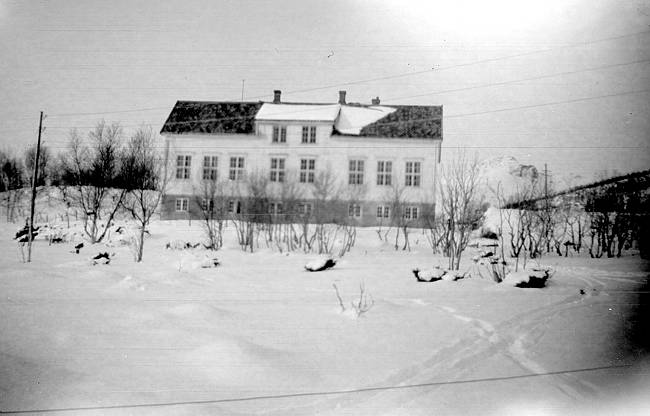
(276, 96)
(375, 101)
(342, 97)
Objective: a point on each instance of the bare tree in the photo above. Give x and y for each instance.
(142, 174)
(92, 170)
(461, 204)
(11, 183)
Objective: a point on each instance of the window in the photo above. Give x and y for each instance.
(210, 167)
(183, 163)
(234, 207)
(279, 134)
(308, 134)
(383, 211)
(354, 211)
(305, 208)
(277, 169)
(181, 204)
(356, 172)
(411, 213)
(236, 168)
(207, 204)
(384, 172)
(307, 170)
(275, 208)
(413, 174)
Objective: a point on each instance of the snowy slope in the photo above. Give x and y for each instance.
(506, 172)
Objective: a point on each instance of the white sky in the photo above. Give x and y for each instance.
(67, 57)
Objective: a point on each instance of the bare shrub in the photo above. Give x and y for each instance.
(462, 205)
(363, 304)
(211, 197)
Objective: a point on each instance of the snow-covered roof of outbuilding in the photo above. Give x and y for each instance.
(298, 112)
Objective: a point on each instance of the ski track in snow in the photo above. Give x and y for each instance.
(511, 338)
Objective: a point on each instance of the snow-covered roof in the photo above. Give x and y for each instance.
(385, 121)
(352, 118)
(298, 112)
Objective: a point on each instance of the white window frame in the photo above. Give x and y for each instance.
(384, 172)
(411, 212)
(279, 134)
(354, 211)
(210, 169)
(307, 170)
(277, 171)
(238, 171)
(207, 204)
(276, 208)
(413, 173)
(383, 212)
(356, 169)
(234, 206)
(308, 135)
(183, 166)
(182, 204)
(305, 208)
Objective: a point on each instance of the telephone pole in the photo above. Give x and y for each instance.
(30, 232)
(546, 187)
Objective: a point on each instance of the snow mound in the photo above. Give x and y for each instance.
(197, 261)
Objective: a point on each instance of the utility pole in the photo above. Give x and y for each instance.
(30, 232)
(546, 186)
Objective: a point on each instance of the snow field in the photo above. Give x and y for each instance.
(73, 334)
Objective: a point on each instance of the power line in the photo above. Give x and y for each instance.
(401, 75)
(574, 100)
(483, 61)
(107, 112)
(318, 393)
(493, 84)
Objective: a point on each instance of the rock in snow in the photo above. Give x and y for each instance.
(319, 265)
(430, 275)
(535, 278)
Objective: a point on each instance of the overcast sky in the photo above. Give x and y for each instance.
(560, 82)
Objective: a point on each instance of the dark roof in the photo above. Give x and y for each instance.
(416, 121)
(407, 121)
(212, 117)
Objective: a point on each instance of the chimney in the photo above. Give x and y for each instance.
(375, 101)
(342, 97)
(276, 96)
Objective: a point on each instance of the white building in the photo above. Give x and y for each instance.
(371, 152)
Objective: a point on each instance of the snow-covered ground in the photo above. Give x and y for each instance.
(170, 331)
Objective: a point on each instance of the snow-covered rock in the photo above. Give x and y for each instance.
(320, 264)
(533, 278)
(429, 275)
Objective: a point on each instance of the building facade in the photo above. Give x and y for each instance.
(363, 161)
